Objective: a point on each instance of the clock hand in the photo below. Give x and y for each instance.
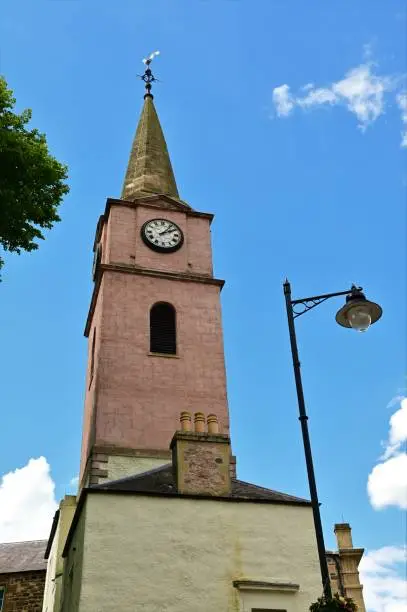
(168, 229)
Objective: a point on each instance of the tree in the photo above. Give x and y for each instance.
(32, 182)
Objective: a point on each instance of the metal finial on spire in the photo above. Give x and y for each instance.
(148, 76)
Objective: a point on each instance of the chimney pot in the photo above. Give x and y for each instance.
(199, 421)
(213, 425)
(186, 421)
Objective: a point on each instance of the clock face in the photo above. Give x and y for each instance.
(162, 235)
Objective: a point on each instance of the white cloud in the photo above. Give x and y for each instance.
(362, 91)
(74, 481)
(282, 100)
(387, 482)
(307, 87)
(317, 96)
(398, 430)
(27, 502)
(384, 587)
(402, 102)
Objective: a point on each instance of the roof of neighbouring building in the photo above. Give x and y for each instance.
(161, 480)
(22, 556)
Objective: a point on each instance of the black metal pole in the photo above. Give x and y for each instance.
(326, 585)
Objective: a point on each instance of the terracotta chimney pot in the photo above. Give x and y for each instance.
(186, 421)
(199, 421)
(213, 425)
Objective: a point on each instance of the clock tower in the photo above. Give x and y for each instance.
(155, 345)
(161, 522)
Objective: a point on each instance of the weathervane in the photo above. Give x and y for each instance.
(148, 76)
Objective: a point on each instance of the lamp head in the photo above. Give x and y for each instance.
(358, 312)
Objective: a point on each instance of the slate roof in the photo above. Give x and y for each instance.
(161, 480)
(22, 556)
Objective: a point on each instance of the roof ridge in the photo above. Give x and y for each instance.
(251, 484)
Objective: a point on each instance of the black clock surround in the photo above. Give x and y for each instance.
(153, 242)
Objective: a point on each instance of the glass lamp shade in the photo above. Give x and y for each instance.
(358, 312)
(359, 318)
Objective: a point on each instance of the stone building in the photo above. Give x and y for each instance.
(22, 576)
(343, 566)
(161, 521)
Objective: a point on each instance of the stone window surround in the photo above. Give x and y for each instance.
(258, 586)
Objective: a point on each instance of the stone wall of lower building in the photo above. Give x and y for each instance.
(24, 591)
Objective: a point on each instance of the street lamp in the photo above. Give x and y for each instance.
(358, 313)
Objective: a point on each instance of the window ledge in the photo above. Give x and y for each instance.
(168, 355)
(260, 585)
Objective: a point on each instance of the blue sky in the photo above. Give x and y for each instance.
(315, 191)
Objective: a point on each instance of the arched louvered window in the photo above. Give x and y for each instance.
(163, 329)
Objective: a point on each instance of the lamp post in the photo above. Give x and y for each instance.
(357, 313)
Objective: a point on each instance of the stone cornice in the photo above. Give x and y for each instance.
(152, 202)
(131, 269)
(262, 585)
(357, 553)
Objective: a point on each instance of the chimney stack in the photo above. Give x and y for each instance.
(349, 559)
(343, 534)
(201, 458)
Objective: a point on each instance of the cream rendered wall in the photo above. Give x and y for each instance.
(50, 585)
(73, 564)
(53, 581)
(180, 554)
(119, 466)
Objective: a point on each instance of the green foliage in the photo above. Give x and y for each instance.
(32, 182)
(335, 604)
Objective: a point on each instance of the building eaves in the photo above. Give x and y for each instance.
(52, 534)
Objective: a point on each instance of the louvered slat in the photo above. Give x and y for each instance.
(162, 329)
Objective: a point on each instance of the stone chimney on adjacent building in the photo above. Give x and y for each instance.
(201, 456)
(349, 559)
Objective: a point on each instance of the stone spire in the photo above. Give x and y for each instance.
(149, 171)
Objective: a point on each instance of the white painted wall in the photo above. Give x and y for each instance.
(176, 555)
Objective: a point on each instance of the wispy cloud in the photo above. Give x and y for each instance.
(387, 482)
(283, 100)
(402, 102)
(384, 587)
(27, 502)
(74, 482)
(362, 91)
